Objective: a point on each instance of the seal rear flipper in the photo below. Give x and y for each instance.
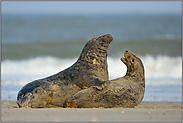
(24, 102)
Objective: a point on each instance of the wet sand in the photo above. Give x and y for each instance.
(146, 111)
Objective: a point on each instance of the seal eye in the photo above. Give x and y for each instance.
(126, 50)
(133, 60)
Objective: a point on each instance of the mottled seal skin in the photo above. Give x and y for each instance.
(126, 92)
(90, 69)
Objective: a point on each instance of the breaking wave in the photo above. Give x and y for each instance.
(158, 70)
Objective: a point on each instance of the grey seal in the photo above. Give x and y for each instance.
(125, 92)
(90, 69)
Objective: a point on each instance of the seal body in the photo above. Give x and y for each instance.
(126, 92)
(90, 69)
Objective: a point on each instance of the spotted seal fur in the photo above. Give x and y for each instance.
(126, 92)
(90, 69)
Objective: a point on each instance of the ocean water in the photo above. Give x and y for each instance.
(37, 46)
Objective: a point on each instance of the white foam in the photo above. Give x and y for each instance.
(19, 72)
(38, 65)
(163, 67)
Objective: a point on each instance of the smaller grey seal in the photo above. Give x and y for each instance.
(126, 92)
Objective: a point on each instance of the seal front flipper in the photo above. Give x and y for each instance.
(81, 98)
(101, 85)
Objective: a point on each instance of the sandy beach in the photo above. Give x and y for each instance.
(145, 111)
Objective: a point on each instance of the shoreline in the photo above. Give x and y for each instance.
(145, 111)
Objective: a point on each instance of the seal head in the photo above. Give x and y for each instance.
(135, 68)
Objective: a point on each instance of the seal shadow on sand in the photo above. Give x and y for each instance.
(126, 92)
(90, 69)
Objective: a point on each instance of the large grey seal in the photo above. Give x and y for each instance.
(127, 91)
(90, 69)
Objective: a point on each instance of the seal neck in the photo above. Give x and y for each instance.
(136, 76)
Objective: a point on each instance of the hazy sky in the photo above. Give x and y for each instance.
(93, 7)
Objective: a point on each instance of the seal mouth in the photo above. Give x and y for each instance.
(124, 60)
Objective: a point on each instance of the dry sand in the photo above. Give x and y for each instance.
(146, 111)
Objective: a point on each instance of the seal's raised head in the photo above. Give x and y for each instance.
(135, 68)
